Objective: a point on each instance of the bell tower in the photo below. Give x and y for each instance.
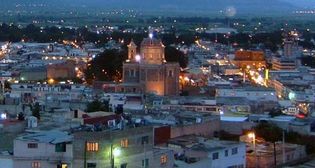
(132, 52)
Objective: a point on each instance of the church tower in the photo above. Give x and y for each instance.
(132, 52)
(147, 71)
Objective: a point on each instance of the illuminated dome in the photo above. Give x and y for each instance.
(151, 42)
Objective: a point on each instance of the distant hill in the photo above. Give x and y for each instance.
(307, 4)
(241, 6)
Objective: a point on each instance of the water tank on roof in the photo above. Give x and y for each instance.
(31, 122)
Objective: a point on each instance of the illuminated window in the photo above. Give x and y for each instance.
(92, 146)
(124, 143)
(163, 159)
(170, 73)
(35, 164)
(62, 165)
(32, 145)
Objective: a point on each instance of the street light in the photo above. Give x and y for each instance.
(115, 152)
(138, 58)
(252, 136)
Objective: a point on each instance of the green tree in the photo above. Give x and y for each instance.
(7, 85)
(21, 116)
(174, 55)
(106, 67)
(275, 112)
(97, 106)
(36, 110)
(268, 132)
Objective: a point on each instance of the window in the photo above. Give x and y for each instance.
(145, 163)
(163, 159)
(124, 165)
(124, 143)
(288, 157)
(60, 147)
(92, 146)
(170, 73)
(91, 165)
(215, 156)
(35, 164)
(234, 151)
(226, 152)
(62, 165)
(131, 73)
(32, 145)
(144, 140)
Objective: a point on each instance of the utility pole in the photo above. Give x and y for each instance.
(85, 146)
(112, 161)
(283, 147)
(275, 153)
(145, 155)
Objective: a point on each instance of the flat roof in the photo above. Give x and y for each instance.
(236, 119)
(52, 137)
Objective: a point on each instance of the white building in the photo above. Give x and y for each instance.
(49, 149)
(209, 153)
(251, 93)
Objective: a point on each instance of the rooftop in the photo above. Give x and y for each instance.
(52, 137)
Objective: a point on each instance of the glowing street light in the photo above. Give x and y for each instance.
(138, 58)
(252, 136)
(117, 152)
(3, 116)
(151, 35)
(51, 81)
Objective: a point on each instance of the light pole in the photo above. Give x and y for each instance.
(114, 153)
(283, 147)
(252, 135)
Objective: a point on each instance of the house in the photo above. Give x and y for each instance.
(135, 146)
(211, 152)
(49, 149)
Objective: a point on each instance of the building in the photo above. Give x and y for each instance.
(33, 74)
(149, 72)
(63, 70)
(288, 48)
(212, 153)
(48, 149)
(251, 93)
(135, 146)
(283, 63)
(243, 59)
(265, 154)
(197, 104)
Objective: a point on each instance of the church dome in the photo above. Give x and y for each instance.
(151, 42)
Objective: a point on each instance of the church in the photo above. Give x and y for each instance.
(146, 70)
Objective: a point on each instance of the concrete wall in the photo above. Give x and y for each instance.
(45, 154)
(205, 129)
(6, 162)
(230, 160)
(132, 161)
(236, 127)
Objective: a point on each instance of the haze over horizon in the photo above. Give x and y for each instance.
(179, 6)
